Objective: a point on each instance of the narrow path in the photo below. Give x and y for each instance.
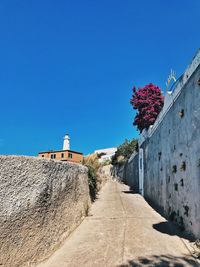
(121, 230)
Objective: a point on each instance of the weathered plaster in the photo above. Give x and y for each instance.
(41, 203)
(172, 154)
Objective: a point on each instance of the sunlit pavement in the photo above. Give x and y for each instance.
(122, 230)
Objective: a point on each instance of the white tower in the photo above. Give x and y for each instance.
(66, 144)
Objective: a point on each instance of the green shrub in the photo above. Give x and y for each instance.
(92, 181)
(124, 151)
(93, 165)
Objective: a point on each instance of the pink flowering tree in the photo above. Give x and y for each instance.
(149, 102)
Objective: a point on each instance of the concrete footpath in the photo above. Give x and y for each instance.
(122, 230)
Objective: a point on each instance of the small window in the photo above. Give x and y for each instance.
(52, 156)
(62, 155)
(42, 156)
(70, 155)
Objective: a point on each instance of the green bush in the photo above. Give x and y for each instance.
(124, 151)
(92, 181)
(93, 165)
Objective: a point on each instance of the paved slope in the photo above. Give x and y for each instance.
(122, 230)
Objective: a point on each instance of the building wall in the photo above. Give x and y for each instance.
(78, 158)
(172, 158)
(41, 203)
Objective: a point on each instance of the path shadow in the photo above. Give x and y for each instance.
(129, 192)
(132, 190)
(170, 228)
(161, 261)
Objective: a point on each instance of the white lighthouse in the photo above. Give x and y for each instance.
(66, 143)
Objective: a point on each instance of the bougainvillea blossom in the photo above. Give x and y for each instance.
(149, 102)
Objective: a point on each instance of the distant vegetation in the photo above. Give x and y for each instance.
(93, 165)
(124, 151)
(122, 154)
(94, 179)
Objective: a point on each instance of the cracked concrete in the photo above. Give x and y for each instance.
(122, 230)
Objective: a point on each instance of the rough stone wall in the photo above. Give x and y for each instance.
(41, 203)
(172, 160)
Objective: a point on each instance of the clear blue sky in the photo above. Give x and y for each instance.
(70, 66)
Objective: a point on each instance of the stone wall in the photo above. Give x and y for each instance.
(170, 179)
(131, 173)
(118, 172)
(128, 172)
(41, 203)
(172, 154)
(171, 149)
